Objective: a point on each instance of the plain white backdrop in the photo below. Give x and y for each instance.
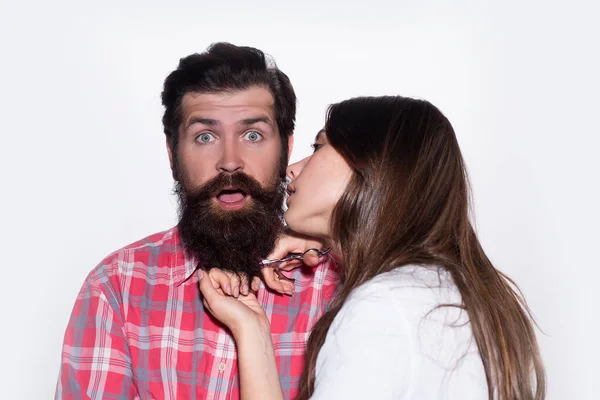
(84, 169)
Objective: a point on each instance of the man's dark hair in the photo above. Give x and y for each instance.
(224, 67)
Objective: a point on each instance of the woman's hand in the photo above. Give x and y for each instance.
(250, 327)
(243, 312)
(290, 242)
(230, 283)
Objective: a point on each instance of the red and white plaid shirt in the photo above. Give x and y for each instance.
(139, 330)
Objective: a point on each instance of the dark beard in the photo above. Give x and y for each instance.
(232, 240)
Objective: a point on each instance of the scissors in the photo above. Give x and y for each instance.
(290, 257)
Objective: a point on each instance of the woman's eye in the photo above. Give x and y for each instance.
(316, 146)
(205, 138)
(253, 136)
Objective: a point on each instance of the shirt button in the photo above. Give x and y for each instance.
(222, 367)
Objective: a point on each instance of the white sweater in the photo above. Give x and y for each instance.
(389, 342)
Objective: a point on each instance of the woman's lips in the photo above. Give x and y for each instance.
(290, 191)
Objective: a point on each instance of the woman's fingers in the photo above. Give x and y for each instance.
(221, 280)
(311, 258)
(255, 284)
(235, 284)
(289, 265)
(292, 242)
(229, 282)
(232, 284)
(244, 285)
(209, 292)
(233, 312)
(268, 274)
(274, 282)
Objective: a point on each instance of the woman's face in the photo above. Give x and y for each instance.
(317, 183)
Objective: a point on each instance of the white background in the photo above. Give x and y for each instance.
(85, 171)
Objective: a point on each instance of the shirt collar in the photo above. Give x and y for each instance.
(184, 263)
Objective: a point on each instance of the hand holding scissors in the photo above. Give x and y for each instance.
(292, 251)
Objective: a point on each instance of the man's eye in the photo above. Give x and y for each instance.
(253, 136)
(205, 138)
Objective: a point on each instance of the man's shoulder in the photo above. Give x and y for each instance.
(163, 241)
(159, 250)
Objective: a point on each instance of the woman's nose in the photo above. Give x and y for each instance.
(293, 170)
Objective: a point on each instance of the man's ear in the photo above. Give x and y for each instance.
(170, 153)
(290, 146)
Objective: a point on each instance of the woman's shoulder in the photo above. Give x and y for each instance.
(412, 283)
(403, 297)
(414, 316)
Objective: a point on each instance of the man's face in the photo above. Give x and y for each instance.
(227, 133)
(230, 178)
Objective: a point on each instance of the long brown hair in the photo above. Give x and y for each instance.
(407, 203)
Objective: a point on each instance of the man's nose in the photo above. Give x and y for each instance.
(293, 170)
(231, 160)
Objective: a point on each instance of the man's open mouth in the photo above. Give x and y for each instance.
(231, 198)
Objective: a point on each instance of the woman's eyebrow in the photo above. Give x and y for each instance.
(322, 131)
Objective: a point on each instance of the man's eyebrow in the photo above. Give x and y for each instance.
(204, 121)
(251, 121)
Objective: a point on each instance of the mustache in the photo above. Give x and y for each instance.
(239, 181)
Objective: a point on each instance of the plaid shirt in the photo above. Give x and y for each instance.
(139, 330)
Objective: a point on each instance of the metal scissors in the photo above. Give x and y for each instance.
(290, 257)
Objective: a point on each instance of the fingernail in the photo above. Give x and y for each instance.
(228, 290)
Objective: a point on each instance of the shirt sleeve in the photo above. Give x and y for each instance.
(367, 352)
(95, 361)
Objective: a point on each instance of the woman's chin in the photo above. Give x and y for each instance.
(289, 220)
(303, 226)
(294, 223)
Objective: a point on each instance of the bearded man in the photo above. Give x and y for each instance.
(139, 329)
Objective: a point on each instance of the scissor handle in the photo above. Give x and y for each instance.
(295, 256)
